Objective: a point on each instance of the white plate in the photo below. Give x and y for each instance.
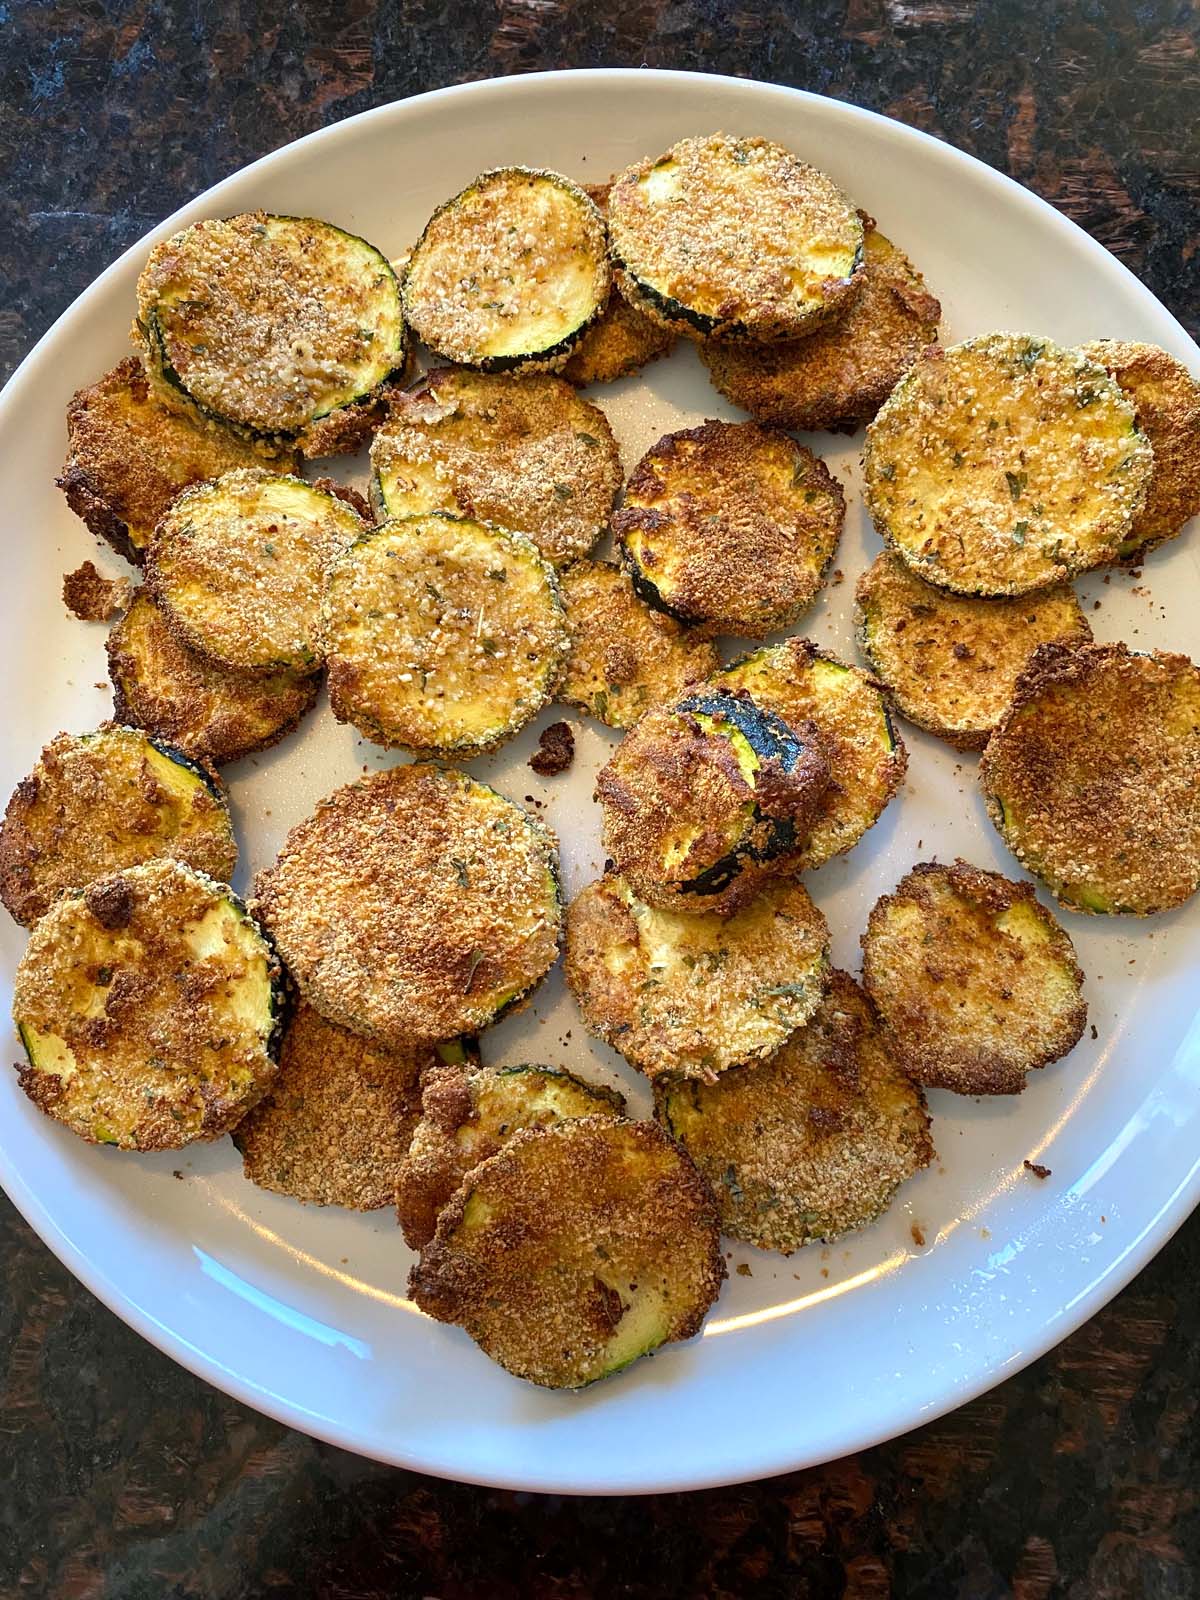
(302, 1313)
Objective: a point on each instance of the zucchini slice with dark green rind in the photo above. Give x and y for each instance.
(1005, 464)
(270, 323)
(693, 994)
(574, 1250)
(1090, 777)
(734, 238)
(415, 904)
(149, 1005)
(509, 273)
(97, 802)
(813, 1142)
(445, 634)
(468, 1113)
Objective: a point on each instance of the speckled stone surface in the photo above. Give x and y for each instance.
(123, 1478)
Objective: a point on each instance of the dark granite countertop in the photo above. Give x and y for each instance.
(124, 1478)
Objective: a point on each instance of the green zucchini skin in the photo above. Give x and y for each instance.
(646, 589)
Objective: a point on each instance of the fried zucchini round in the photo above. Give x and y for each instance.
(149, 1006)
(510, 273)
(468, 1113)
(336, 1123)
(735, 239)
(867, 759)
(813, 1142)
(96, 802)
(239, 569)
(204, 710)
(1166, 399)
(705, 800)
(415, 904)
(838, 377)
(1091, 777)
(951, 662)
(692, 995)
(975, 981)
(731, 525)
(271, 323)
(445, 634)
(624, 656)
(526, 453)
(574, 1250)
(1004, 465)
(128, 456)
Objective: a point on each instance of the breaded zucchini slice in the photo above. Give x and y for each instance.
(149, 1005)
(1091, 777)
(705, 800)
(271, 323)
(731, 525)
(335, 1125)
(96, 802)
(468, 1112)
(975, 981)
(813, 1142)
(204, 710)
(691, 994)
(574, 1250)
(526, 453)
(734, 239)
(128, 456)
(1004, 465)
(445, 634)
(624, 656)
(849, 712)
(1166, 399)
(951, 662)
(240, 567)
(509, 273)
(837, 378)
(415, 904)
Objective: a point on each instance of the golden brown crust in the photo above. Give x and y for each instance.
(91, 597)
(415, 904)
(812, 1143)
(951, 662)
(838, 377)
(337, 1121)
(1091, 777)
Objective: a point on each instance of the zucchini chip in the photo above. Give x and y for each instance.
(211, 714)
(1166, 399)
(128, 456)
(271, 323)
(624, 656)
(239, 569)
(837, 378)
(975, 981)
(812, 1143)
(692, 995)
(100, 801)
(445, 634)
(734, 238)
(705, 800)
(1091, 777)
(336, 1123)
(731, 525)
(574, 1250)
(849, 713)
(526, 453)
(149, 1006)
(415, 904)
(510, 273)
(950, 661)
(468, 1113)
(1004, 465)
